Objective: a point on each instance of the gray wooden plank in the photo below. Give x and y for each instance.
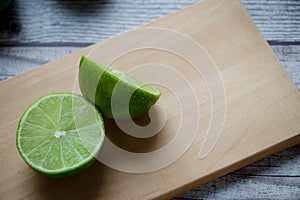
(3, 77)
(15, 60)
(275, 177)
(83, 21)
(277, 20)
(290, 59)
(37, 22)
(245, 187)
(282, 164)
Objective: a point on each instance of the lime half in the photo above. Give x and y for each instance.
(60, 134)
(117, 94)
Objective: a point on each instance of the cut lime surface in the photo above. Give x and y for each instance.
(60, 134)
(117, 94)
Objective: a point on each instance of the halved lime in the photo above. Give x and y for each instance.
(117, 94)
(60, 134)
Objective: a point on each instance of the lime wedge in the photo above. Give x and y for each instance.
(60, 134)
(117, 94)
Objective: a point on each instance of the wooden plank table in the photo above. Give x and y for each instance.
(35, 32)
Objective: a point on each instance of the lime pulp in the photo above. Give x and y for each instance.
(60, 134)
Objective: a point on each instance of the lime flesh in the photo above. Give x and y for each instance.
(100, 83)
(60, 134)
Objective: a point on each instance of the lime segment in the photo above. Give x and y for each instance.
(100, 82)
(60, 134)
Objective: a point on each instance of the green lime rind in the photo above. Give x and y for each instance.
(66, 155)
(100, 83)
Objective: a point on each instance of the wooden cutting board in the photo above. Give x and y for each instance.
(262, 110)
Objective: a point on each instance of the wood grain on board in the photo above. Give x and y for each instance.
(255, 126)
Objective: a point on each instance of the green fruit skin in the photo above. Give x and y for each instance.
(61, 173)
(97, 85)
